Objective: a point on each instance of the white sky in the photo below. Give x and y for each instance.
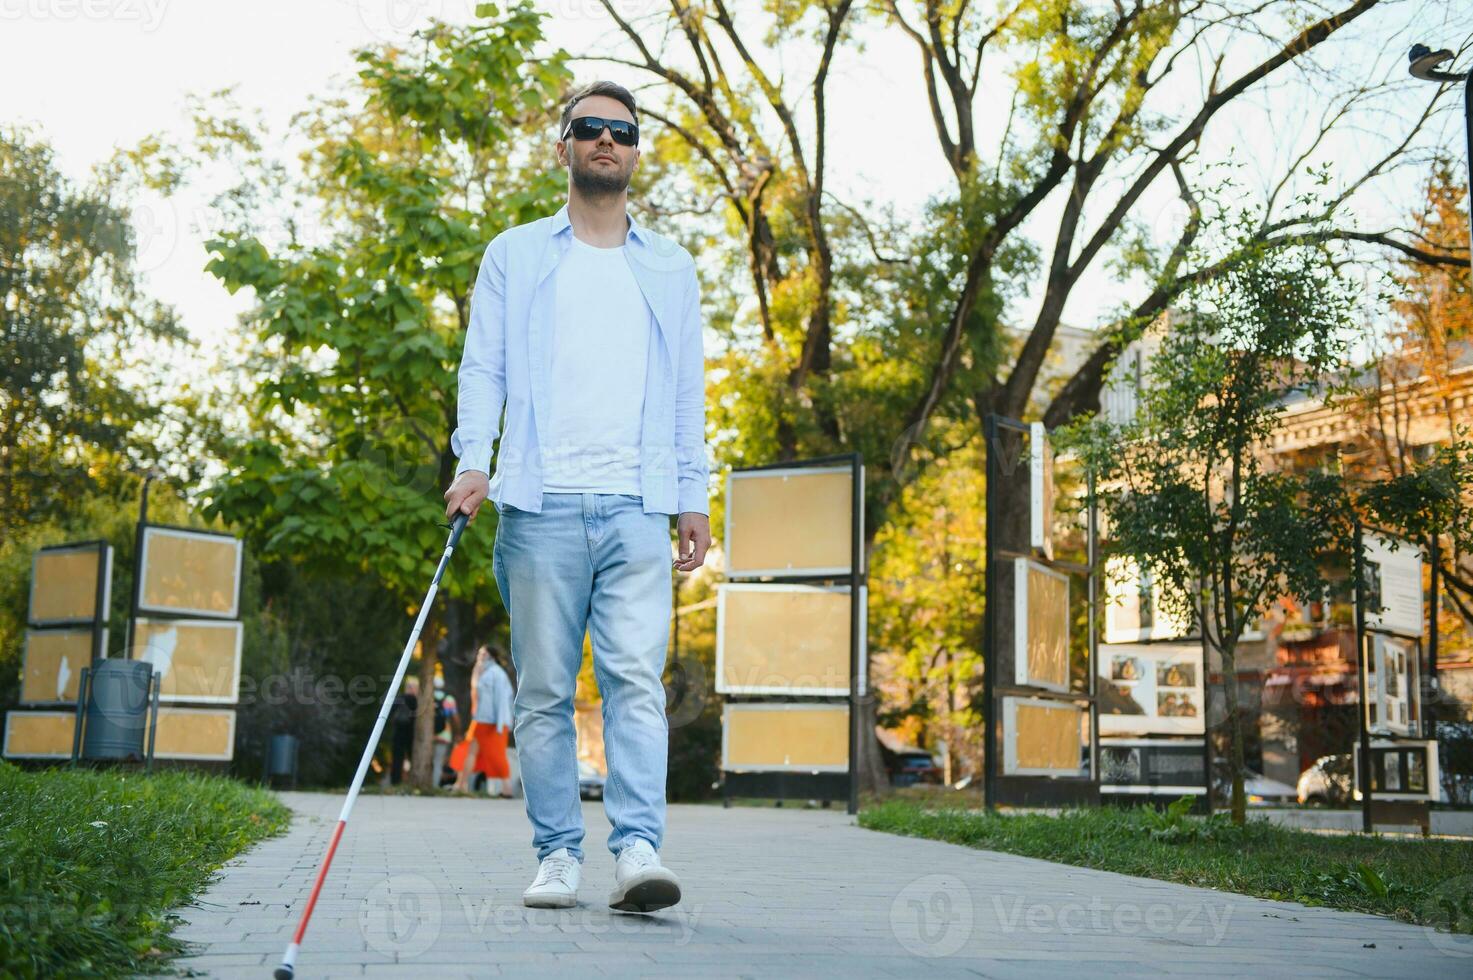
(92, 76)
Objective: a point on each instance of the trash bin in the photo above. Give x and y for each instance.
(281, 758)
(117, 710)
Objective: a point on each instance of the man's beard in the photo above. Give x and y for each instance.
(594, 182)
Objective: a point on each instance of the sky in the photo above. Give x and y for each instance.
(95, 75)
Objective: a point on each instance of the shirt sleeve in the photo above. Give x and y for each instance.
(693, 474)
(482, 379)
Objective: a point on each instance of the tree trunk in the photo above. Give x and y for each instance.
(1235, 735)
(422, 759)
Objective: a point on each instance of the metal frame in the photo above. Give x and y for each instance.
(782, 469)
(810, 784)
(731, 706)
(104, 583)
(1023, 788)
(1021, 567)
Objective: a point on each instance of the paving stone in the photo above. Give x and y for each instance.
(424, 887)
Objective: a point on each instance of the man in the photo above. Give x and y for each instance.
(586, 327)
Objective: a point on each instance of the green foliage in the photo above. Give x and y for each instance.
(357, 335)
(94, 861)
(79, 342)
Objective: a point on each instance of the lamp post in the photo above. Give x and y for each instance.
(1424, 63)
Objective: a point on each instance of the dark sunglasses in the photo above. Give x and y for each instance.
(625, 133)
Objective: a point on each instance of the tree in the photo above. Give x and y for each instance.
(850, 330)
(76, 361)
(1187, 489)
(362, 309)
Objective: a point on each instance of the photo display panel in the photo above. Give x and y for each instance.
(39, 734)
(1043, 737)
(1151, 689)
(205, 734)
(785, 737)
(199, 659)
(796, 521)
(64, 584)
(52, 665)
(782, 639)
(190, 573)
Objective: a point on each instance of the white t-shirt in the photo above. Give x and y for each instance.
(601, 338)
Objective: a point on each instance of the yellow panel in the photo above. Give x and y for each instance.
(53, 664)
(198, 659)
(65, 586)
(789, 522)
(195, 733)
(40, 733)
(1048, 738)
(792, 639)
(761, 738)
(190, 573)
(1048, 628)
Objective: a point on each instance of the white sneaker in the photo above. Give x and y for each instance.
(642, 884)
(556, 884)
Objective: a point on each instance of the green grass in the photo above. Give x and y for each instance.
(1428, 882)
(92, 860)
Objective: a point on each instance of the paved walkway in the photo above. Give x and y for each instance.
(431, 887)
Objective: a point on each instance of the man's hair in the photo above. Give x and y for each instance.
(612, 89)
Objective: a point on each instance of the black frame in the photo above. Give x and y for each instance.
(1020, 789)
(816, 785)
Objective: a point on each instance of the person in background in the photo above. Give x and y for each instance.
(402, 715)
(445, 714)
(484, 746)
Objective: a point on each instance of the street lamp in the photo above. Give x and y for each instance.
(1424, 63)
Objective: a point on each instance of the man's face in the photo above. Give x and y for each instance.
(598, 167)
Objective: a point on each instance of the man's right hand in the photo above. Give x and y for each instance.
(466, 494)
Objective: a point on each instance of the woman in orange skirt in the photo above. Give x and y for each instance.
(484, 747)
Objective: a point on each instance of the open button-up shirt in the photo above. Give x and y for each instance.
(507, 363)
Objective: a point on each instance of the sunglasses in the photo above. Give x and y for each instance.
(625, 133)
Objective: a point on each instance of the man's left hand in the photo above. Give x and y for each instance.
(693, 534)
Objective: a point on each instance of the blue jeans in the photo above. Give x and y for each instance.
(594, 562)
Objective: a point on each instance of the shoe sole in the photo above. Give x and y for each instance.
(550, 901)
(648, 894)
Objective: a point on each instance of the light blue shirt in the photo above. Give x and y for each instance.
(506, 364)
(494, 696)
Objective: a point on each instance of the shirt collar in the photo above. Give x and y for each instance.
(637, 231)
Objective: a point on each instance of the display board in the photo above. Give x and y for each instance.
(1135, 609)
(1401, 770)
(65, 584)
(203, 734)
(782, 639)
(786, 522)
(39, 734)
(1392, 685)
(190, 573)
(1041, 647)
(1147, 689)
(1394, 585)
(1144, 767)
(1040, 490)
(789, 737)
(52, 664)
(199, 659)
(1043, 737)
